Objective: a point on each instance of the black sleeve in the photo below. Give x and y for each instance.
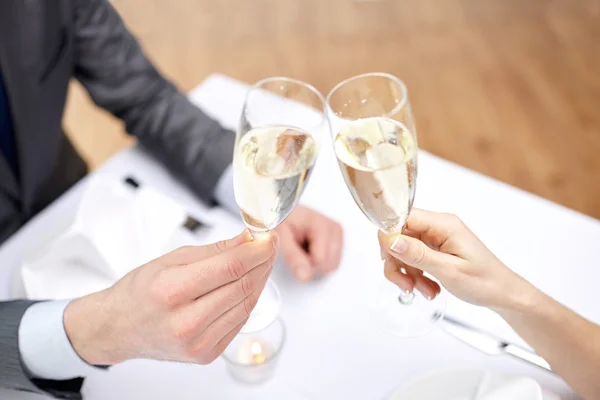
(111, 65)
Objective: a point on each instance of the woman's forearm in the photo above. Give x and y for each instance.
(451, 252)
(569, 342)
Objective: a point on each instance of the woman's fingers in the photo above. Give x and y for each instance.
(409, 279)
(428, 288)
(393, 274)
(415, 253)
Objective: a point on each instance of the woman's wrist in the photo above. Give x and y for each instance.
(520, 296)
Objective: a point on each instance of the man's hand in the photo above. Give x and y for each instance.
(185, 306)
(311, 243)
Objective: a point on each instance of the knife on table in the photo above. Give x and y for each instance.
(489, 344)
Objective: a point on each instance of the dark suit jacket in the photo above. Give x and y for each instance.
(45, 43)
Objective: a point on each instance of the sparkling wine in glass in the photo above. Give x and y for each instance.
(271, 167)
(376, 146)
(275, 150)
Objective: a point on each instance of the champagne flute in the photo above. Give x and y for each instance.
(276, 148)
(375, 142)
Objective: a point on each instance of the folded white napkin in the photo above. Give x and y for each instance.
(116, 229)
(497, 387)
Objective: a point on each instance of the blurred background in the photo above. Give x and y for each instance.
(509, 88)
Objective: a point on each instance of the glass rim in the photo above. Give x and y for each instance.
(389, 76)
(275, 353)
(307, 85)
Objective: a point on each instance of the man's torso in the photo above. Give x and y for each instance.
(37, 60)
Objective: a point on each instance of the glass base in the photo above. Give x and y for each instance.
(406, 316)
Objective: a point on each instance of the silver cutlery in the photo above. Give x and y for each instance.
(488, 343)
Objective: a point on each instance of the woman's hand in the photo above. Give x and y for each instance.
(443, 246)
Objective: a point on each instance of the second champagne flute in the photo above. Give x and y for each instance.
(376, 146)
(276, 148)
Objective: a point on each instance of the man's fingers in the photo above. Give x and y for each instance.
(190, 254)
(202, 277)
(414, 253)
(336, 241)
(230, 319)
(216, 303)
(223, 343)
(295, 256)
(325, 248)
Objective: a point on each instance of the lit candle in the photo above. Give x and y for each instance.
(252, 358)
(253, 351)
(256, 350)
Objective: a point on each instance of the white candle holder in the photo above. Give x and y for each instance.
(251, 358)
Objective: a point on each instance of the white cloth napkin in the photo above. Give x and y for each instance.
(116, 229)
(497, 387)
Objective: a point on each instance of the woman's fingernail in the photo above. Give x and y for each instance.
(399, 245)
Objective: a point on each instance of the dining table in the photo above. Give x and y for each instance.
(333, 348)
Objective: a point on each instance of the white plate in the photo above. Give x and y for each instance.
(467, 385)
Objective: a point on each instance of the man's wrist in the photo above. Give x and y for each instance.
(45, 349)
(89, 331)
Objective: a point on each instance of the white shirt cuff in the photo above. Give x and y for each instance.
(224, 193)
(45, 349)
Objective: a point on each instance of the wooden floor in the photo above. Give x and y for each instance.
(510, 88)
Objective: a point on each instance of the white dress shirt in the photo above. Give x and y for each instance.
(50, 355)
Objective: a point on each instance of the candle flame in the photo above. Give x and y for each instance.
(256, 348)
(257, 353)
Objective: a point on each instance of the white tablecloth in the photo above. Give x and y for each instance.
(333, 349)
